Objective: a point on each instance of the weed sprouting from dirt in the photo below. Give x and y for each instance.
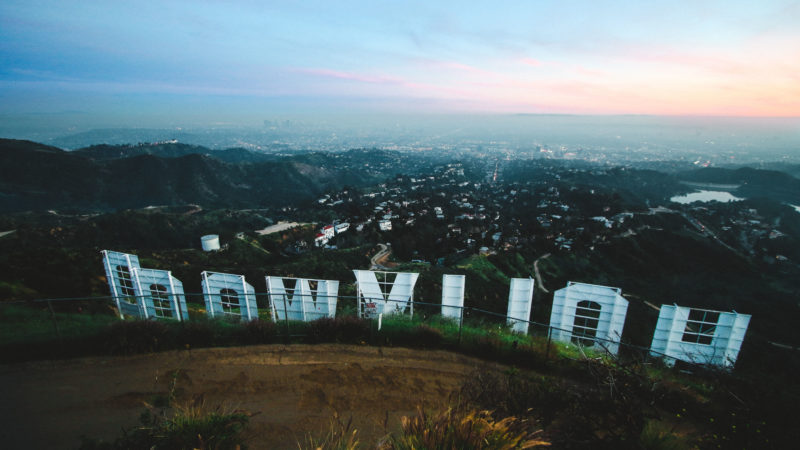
(182, 426)
(339, 436)
(657, 436)
(168, 423)
(452, 428)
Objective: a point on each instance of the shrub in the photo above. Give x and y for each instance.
(425, 336)
(481, 345)
(458, 430)
(514, 393)
(339, 436)
(340, 329)
(257, 332)
(186, 427)
(196, 334)
(136, 336)
(657, 436)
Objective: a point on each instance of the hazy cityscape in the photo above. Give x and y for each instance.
(399, 225)
(609, 139)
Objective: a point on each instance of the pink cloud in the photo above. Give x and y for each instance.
(413, 88)
(572, 88)
(427, 64)
(746, 62)
(462, 67)
(350, 76)
(531, 62)
(571, 68)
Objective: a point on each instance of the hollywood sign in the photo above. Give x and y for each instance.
(583, 314)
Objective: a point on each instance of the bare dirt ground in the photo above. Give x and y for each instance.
(293, 390)
(280, 226)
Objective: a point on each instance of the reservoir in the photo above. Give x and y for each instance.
(705, 196)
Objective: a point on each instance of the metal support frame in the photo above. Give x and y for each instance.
(113, 283)
(174, 296)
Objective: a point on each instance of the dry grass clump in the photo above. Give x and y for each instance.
(451, 429)
(454, 429)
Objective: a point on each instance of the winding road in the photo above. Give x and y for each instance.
(376, 262)
(538, 275)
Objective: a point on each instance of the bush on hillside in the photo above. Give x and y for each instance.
(179, 426)
(136, 336)
(347, 329)
(257, 332)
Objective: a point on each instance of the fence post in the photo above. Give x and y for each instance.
(53, 318)
(460, 324)
(547, 352)
(286, 318)
(373, 322)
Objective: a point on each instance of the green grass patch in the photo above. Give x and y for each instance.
(15, 290)
(35, 323)
(29, 333)
(483, 268)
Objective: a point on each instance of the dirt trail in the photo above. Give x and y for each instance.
(294, 389)
(381, 259)
(538, 275)
(280, 226)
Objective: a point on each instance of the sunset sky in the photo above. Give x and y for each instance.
(730, 58)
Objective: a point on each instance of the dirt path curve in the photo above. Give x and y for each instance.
(538, 275)
(377, 262)
(295, 389)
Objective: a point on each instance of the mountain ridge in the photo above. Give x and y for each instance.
(752, 182)
(34, 176)
(104, 152)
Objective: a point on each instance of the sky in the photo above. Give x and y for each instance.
(708, 58)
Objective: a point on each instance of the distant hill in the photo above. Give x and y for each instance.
(752, 182)
(121, 136)
(104, 152)
(38, 177)
(635, 186)
(791, 169)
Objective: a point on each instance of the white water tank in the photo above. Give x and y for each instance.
(210, 242)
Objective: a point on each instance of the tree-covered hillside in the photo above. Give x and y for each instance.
(34, 177)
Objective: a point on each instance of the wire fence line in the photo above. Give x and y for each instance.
(347, 306)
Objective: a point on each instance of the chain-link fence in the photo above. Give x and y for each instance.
(65, 319)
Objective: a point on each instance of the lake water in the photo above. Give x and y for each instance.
(705, 196)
